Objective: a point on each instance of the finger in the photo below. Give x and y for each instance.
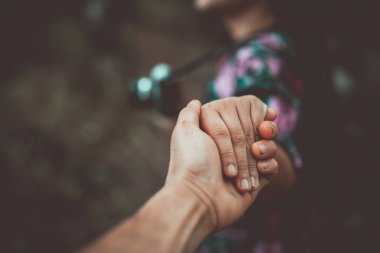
(189, 116)
(195, 105)
(258, 110)
(271, 114)
(268, 130)
(244, 113)
(268, 167)
(264, 149)
(230, 116)
(214, 126)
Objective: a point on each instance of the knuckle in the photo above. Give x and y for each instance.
(238, 139)
(249, 139)
(252, 167)
(206, 106)
(219, 132)
(225, 102)
(256, 104)
(254, 99)
(227, 153)
(243, 165)
(233, 100)
(250, 98)
(205, 109)
(213, 104)
(209, 105)
(243, 173)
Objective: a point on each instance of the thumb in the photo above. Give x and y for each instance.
(190, 114)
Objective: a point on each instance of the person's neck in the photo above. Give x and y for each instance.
(249, 21)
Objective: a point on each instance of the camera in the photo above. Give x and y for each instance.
(158, 91)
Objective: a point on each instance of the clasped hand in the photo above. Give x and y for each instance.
(223, 153)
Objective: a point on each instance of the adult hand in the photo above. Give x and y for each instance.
(195, 165)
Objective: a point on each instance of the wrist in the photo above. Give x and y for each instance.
(198, 192)
(191, 198)
(181, 219)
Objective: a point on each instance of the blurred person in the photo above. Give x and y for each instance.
(265, 66)
(196, 200)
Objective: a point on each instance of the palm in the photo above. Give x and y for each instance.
(206, 167)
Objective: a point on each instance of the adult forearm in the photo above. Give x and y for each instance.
(174, 220)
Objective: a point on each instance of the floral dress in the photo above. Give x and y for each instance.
(263, 67)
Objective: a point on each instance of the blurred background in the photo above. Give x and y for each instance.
(76, 158)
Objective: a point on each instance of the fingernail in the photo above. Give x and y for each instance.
(245, 184)
(232, 171)
(271, 127)
(254, 182)
(262, 149)
(264, 165)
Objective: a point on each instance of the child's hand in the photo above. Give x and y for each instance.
(265, 150)
(235, 124)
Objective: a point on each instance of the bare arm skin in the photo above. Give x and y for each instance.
(173, 220)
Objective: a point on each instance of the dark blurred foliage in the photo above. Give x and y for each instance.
(76, 159)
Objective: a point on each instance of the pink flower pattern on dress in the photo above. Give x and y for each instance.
(245, 62)
(287, 116)
(225, 81)
(274, 66)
